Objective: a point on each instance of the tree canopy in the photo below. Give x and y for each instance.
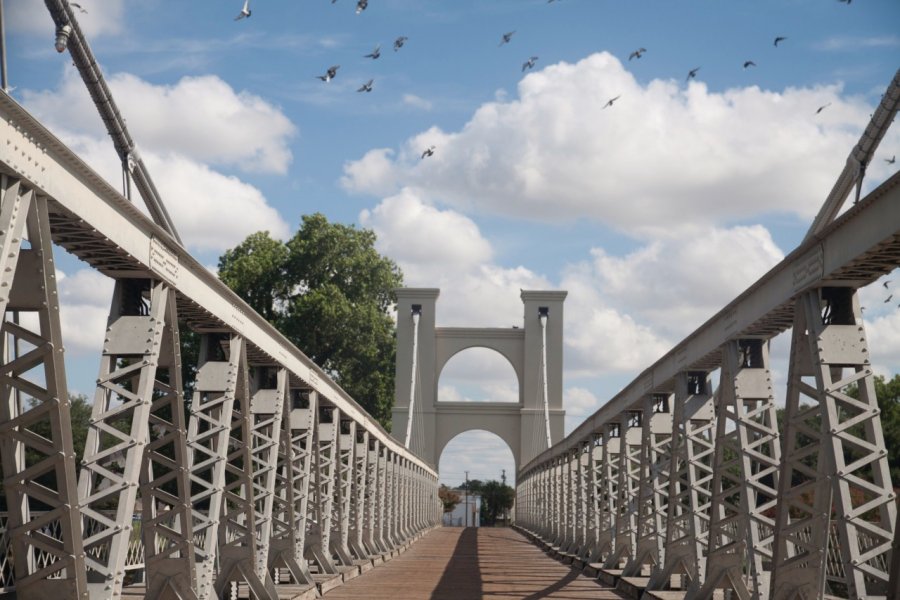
(329, 291)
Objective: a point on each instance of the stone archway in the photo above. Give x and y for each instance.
(442, 421)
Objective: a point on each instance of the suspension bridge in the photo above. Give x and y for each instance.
(273, 483)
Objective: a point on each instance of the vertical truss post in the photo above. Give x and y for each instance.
(249, 483)
(209, 430)
(293, 476)
(595, 461)
(373, 504)
(607, 490)
(566, 538)
(653, 491)
(834, 486)
(343, 497)
(47, 551)
(556, 510)
(406, 493)
(166, 522)
(627, 490)
(394, 503)
(582, 451)
(745, 475)
(324, 488)
(119, 431)
(360, 494)
(690, 481)
(381, 498)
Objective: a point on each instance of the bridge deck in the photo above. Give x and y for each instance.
(453, 563)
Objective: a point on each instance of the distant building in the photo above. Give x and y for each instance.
(457, 517)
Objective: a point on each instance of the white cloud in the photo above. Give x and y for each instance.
(416, 102)
(579, 403)
(85, 298)
(33, 17)
(199, 117)
(663, 151)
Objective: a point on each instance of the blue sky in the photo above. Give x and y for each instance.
(652, 212)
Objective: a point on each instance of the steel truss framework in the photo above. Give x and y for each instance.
(710, 494)
(269, 472)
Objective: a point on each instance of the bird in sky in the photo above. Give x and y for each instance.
(692, 73)
(779, 39)
(611, 100)
(885, 283)
(374, 53)
(429, 151)
(367, 86)
(891, 160)
(749, 63)
(361, 6)
(845, 1)
(245, 12)
(329, 74)
(506, 37)
(78, 6)
(823, 107)
(637, 53)
(398, 43)
(529, 64)
(888, 299)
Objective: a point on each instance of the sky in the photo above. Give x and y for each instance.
(653, 198)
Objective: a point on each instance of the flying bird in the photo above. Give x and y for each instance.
(361, 6)
(779, 39)
(823, 107)
(529, 64)
(888, 299)
(78, 6)
(611, 100)
(429, 151)
(637, 53)
(367, 86)
(245, 12)
(692, 73)
(884, 283)
(845, 1)
(374, 53)
(749, 63)
(398, 43)
(506, 37)
(891, 160)
(329, 74)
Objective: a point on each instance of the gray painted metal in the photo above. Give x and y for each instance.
(225, 496)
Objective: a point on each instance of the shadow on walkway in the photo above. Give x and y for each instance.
(461, 578)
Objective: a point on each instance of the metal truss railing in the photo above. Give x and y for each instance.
(711, 493)
(270, 471)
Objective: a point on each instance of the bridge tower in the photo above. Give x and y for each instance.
(522, 425)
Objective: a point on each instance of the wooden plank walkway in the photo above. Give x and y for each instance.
(453, 563)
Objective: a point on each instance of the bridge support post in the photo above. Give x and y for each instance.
(319, 537)
(340, 522)
(745, 475)
(652, 499)
(249, 485)
(690, 481)
(627, 490)
(608, 476)
(583, 453)
(291, 499)
(209, 429)
(28, 281)
(835, 467)
(567, 537)
(371, 531)
(358, 505)
(119, 433)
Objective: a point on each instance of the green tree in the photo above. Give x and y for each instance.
(496, 499)
(330, 292)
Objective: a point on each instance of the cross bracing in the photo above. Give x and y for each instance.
(272, 473)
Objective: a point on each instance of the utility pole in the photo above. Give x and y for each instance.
(467, 498)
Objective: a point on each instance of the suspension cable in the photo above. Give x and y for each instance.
(416, 313)
(543, 313)
(69, 35)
